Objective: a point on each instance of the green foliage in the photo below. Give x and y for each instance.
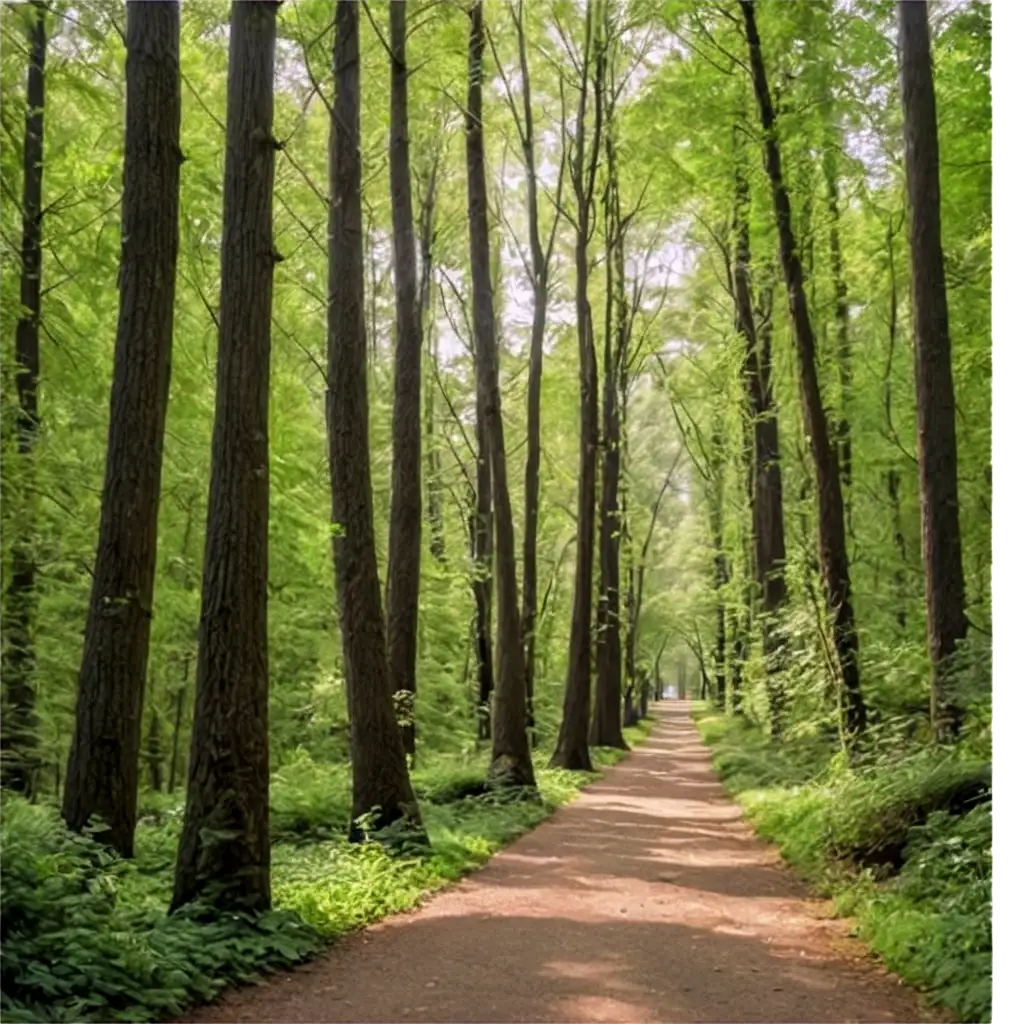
(86, 936)
(903, 843)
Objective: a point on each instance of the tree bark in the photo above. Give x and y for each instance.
(606, 725)
(483, 589)
(103, 763)
(768, 521)
(571, 750)
(936, 407)
(19, 764)
(540, 260)
(380, 775)
(405, 532)
(511, 763)
(224, 852)
(835, 568)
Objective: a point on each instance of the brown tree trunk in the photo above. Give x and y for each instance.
(769, 542)
(404, 533)
(571, 750)
(380, 773)
(425, 317)
(831, 525)
(540, 259)
(936, 408)
(154, 754)
(179, 709)
(483, 560)
(224, 852)
(606, 725)
(19, 763)
(511, 764)
(102, 776)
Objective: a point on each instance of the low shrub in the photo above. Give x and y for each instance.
(902, 843)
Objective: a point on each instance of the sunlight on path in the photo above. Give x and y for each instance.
(647, 899)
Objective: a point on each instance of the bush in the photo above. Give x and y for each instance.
(904, 843)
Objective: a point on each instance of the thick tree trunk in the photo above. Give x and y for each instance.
(224, 853)
(511, 763)
(936, 407)
(571, 750)
(103, 764)
(404, 534)
(18, 741)
(831, 524)
(380, 774)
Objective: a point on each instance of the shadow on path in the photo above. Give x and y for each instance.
(647, 899)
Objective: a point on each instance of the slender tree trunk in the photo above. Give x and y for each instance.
(936, 407)
(571, 750)
(844, 355)
(540, 259)
(224, 852)
(511, 764)
(425, 317)
(380, 775)
(404, 535)
(831, 525)
(606, 725)
(154, 754)
(19, 762)
(483, 559)
(179, 708)
(766, 505)
(103, 763)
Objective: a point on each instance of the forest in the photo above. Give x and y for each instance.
(402, 399)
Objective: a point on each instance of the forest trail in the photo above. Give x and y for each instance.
(647, 899)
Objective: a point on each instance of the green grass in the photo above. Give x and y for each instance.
(903, 845)
(86, 936)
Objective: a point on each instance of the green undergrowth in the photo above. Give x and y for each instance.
(902, 843)
(86, 936)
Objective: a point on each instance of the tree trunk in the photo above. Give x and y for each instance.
(606, 726)
(539, 265)
(571, 750)
(404, 534)
(224, 853)
(511, 763)
(767, 510)
(19, 762)
(103, 763)
(154, 754)
(936, 407)
(425, 317)
(831, 525)
(380, 775)
(179, 708)
(483, 560)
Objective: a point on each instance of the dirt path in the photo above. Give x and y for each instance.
(648, 899)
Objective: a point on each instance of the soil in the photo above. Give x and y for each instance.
(647, 899)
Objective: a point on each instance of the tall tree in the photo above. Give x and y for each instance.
(571, 750)
(103, 763)
(406, 522)
(835, 568)
(606, 724)
(936, 406)
(224, 852)
(18, 740)
(538, 270)
(511, 764)
(380, 773)
(769, 539)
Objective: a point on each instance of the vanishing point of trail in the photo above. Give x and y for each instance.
(647, 899)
